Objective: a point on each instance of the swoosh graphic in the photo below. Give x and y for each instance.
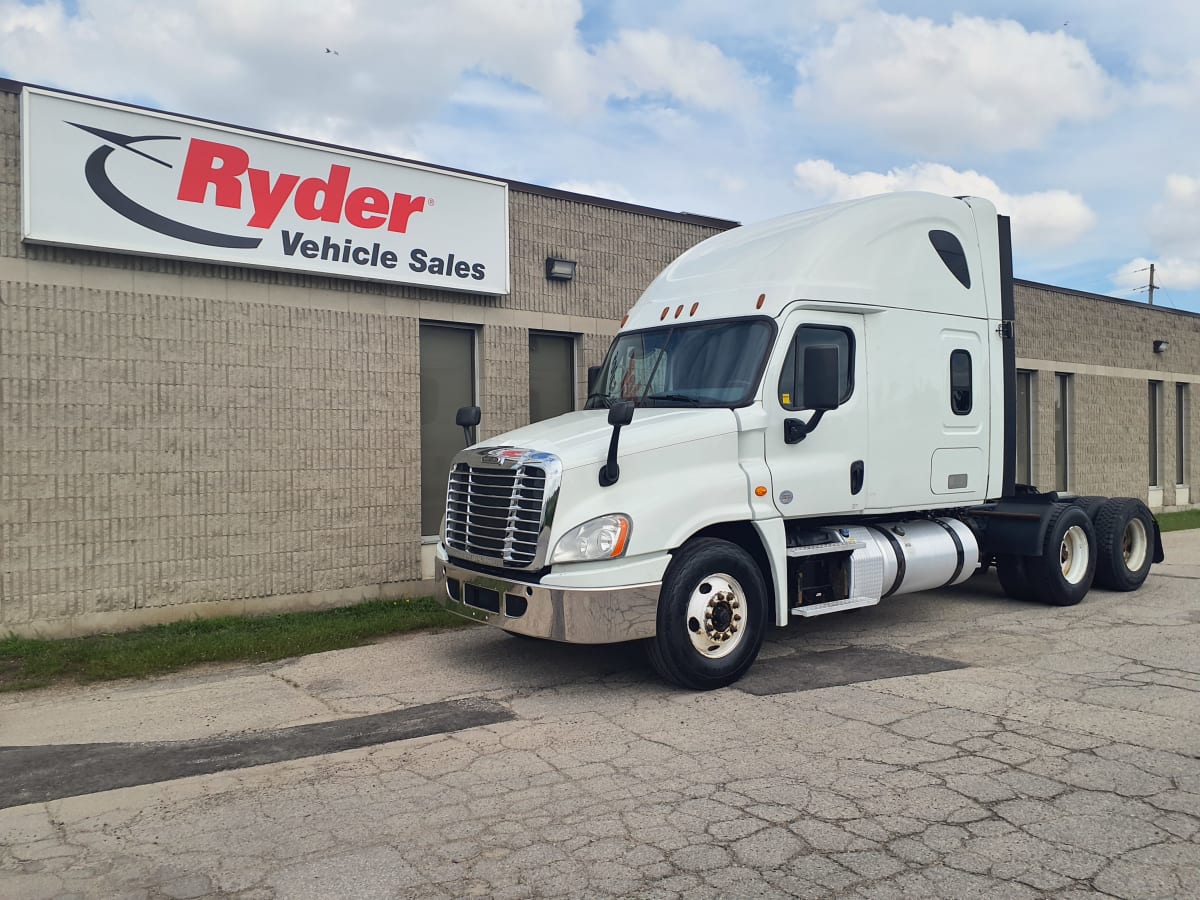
(114, 199)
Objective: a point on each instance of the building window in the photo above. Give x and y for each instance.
(960, 382)
(1155, 442)
(1183, 422)
(1024, 426)
(1062, 431)
(551, 375)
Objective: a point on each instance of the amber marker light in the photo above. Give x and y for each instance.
(695, 306)
(762, 298)
(760, 491)
(666, 309)
(679, 310)
(622, 538)
(624, 320)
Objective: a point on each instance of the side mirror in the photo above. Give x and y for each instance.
(467, 418)
(619, 415)
(593, 374)
(822, 391)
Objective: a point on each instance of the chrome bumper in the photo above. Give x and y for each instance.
(573, 616)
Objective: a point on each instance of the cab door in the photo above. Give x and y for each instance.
(826, 471)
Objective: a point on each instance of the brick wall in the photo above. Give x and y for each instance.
(1107, 348)
(179, 438)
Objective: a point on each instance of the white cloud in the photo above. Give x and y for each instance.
(1175, 220)
(1040, 220)
(975, 84)
(1169, 272)
(240, 61)
(1174, 231)
(695, 72)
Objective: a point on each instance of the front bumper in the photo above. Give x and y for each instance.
(605, 616)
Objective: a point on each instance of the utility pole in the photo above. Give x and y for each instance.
(1152, 284)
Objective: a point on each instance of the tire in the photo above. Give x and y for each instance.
(1124, 544)
(1063, 573)
(1014, 577)
(712, 615)
(1090, 505)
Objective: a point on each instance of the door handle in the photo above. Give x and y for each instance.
(856, 476)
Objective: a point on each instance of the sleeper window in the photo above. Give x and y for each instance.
(960, 382)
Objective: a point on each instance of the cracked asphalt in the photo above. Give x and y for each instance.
(1061, 758)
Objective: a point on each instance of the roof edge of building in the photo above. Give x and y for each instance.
(11, 86)
(1088, 295)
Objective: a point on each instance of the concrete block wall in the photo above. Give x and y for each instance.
(1107, 347)
(183, 439)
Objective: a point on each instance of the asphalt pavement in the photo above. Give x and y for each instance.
(947, 744)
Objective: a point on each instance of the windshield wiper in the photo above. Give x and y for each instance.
(673, 398)
(602, 397)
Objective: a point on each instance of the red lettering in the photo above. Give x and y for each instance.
(201, 169)
(221, 166)
(331, 191)
(268, 199)
(367, 207)
(403, 208)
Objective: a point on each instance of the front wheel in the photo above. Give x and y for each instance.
(712, 614)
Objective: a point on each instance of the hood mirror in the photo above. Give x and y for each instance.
(467, 418)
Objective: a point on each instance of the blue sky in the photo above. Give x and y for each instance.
(1080, 119)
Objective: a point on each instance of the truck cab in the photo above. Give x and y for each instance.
(797, 417)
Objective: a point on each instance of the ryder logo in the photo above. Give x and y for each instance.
(96, 172)
(222, 167)
(98, 175)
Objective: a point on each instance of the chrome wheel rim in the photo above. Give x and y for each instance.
(716, 616)
(1073, 554)
(1134, 544)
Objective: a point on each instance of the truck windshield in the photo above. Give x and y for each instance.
(710, 364)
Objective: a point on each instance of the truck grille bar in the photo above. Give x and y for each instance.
(495, 510)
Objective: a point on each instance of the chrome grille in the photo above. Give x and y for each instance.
(495, 514)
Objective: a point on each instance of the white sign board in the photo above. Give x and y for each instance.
(103, 176)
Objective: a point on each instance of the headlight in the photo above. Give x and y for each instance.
(605, 537)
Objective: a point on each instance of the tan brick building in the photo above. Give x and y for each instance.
(185, 438)
(1109, 385)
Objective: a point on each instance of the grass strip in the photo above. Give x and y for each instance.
(1179, 521)
(31, 662)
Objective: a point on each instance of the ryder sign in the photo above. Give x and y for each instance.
(108, 177)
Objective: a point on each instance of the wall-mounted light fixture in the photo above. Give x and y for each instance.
(560, 269)
(1161, 346)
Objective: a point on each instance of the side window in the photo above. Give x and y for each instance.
(960, 382)
(791, 379)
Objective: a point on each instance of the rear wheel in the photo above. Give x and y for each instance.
(1064, 571)
(1014, 577)
(712, 614)
(1124, 544)
(1089, 505)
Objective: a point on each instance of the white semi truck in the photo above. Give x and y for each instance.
(799, 417)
